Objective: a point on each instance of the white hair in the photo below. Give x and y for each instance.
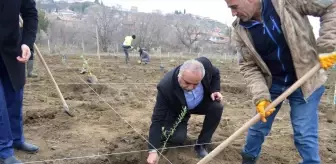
(193, 66)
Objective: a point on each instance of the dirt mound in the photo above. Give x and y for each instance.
(234, 88)
(99, 135)
(31, 117)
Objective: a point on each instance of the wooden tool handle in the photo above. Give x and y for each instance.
(256, 118)
(65, 105)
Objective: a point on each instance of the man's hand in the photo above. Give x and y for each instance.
(25, 54)
(327, 60)
(261, 109)
(216, 96)
(152, 158)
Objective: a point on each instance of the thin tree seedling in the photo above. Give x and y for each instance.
(168, 133)
(86, 69)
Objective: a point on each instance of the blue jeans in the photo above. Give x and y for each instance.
(126, 48)
(145, 60)
(11, 124)
(304, 119)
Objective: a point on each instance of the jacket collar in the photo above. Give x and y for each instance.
(246, 38)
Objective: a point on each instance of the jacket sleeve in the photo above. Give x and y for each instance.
(215, 80)
(326, 10)
(30, 22)
(158, 118)
(252, 74)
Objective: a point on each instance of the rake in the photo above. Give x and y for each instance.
(65, 105)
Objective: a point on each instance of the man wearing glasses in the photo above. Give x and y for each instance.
(191, 88)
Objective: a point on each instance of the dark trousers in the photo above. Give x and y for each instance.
(126, 48)
(11, 124)
(32, 55)
(213, 112)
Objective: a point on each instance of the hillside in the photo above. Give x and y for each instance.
(170, 32)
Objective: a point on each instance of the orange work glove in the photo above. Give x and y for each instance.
(261, 105)
(327, 60)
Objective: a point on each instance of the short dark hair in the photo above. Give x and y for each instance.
(141, 50)
(133, 36)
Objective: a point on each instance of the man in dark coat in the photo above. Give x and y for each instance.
(191, 88)
(14, 53)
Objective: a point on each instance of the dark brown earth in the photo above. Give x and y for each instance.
(97, 133)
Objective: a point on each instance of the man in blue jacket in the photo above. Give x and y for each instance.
(14, 53)
(276, 47)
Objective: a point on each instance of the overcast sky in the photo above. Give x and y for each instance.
(215, 9)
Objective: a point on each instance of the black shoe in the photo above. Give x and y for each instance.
(248, 159)
(27, 147)
(201, 151)
(10, 160)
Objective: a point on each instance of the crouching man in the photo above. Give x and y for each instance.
(144, 57)
(192, 88)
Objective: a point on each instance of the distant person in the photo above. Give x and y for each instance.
(15, 52)
(144, 57)
(128, 45)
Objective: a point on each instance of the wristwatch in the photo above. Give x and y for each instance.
(152, 151)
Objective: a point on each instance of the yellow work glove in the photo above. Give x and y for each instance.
(327, 60)
(261, 105)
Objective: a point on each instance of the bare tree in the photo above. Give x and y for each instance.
(188, 33)
(63, 33)
(148, 28)
(169, 32)
(107, 20)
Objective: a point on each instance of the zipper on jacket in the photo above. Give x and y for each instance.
(279, 31)
(275, 25)
(264, 28)
(271, 36)
(278, 48)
